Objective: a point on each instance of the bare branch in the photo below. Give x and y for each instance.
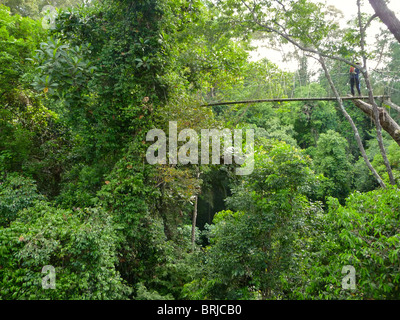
(282, 5)
(369, 21)
(392, 105)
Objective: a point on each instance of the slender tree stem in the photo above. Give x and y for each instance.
(194, 217)
(371, 98)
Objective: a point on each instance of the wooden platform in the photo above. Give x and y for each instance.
(291, 100)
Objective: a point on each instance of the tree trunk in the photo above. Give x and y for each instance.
(388, 124)
(372, 100)
(387, 16)
(194, 219)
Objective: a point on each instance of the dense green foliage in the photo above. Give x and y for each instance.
(259, 235)
(77, 193)
(364, 234)
(80, 244)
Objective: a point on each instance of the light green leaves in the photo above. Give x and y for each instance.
(61, 65)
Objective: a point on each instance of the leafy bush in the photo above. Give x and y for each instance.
(332, 160)
(365, 233)
(251, 250)
(79, 244)
(16, 193)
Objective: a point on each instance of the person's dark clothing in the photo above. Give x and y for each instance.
(355, 80)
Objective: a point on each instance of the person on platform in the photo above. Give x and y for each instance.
(355, 79)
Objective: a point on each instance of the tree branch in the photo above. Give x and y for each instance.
(369, 21)
(392, 105)
(387, 17)
(294, 42)
(388, 124)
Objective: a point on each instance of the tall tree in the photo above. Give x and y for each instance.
(310, 27)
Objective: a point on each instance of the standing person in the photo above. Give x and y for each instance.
(355, 79)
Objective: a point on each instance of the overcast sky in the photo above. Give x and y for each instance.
(349, 9)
